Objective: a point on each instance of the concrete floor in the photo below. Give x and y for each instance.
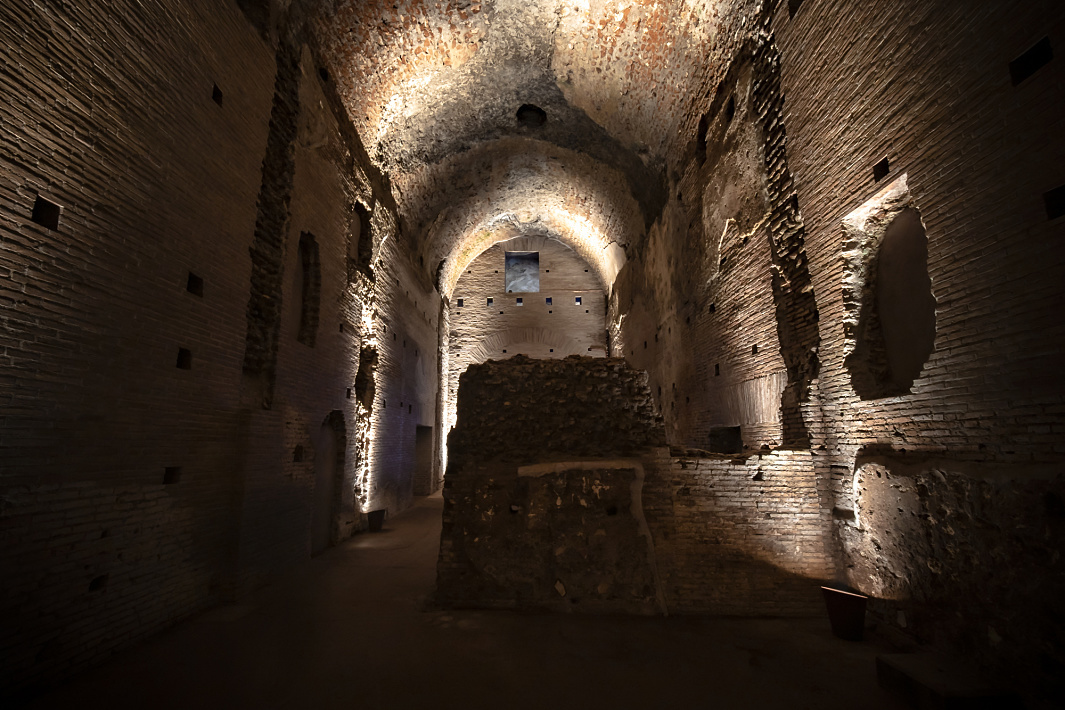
(350, 629)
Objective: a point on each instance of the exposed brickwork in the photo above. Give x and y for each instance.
(134, 492)
(978, 153)
(722, 525)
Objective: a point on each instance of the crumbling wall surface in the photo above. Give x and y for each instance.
(543, 493)
(976, 145)
(739, 535)
(558, 537)
(529, 411)
(964, 555)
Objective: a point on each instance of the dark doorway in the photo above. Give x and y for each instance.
(325, 475)
(423, 460)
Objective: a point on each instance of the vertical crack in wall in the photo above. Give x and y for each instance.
(271, 223)
(793, 294)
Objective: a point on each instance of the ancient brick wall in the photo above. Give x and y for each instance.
(560, 495)
(958, 451)
(146, 469)
(738, 535)
(479, 331)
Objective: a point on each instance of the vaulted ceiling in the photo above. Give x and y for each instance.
(435, 90)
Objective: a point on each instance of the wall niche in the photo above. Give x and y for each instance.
(890, 313)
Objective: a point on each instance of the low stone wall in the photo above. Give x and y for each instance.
(738, 535)
(559, 496)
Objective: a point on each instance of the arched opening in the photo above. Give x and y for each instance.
(904, 299)
(328, 465)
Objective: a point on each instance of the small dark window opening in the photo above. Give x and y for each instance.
(712, 308)
(548, 300)
(216, 95)
(184, 359)
(520, 302)
(717, 370)
(347, 394)
(311, 289)
(577, 301)
(409, 408)
(522, 271)
(880, 170)
(1055, 202)
(194, 285)
(98, 583)
(460, 303)
(1031, 61)
(531, 116)
(171, 475)
(323, 73)
(754, 350)
(46, 213)
(725, 440)
(297, 454)
(490, 301)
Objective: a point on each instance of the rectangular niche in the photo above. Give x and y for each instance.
(522, 271)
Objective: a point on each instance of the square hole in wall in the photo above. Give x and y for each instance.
(194, 285)
(504, 352)
(880, 170)
(184, 358)
(548, 299)
(410, 408)
(461, 303)
(519, 302)
(98, 583)
(551, 350)
(216, 95)
(717, 370)
(490, 301)
(347, 394)
(522, 271)
(171, 475)
(1055, 202)
(46, 213)
(1034, 59)
(577, 301)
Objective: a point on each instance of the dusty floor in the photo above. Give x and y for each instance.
(350, 630)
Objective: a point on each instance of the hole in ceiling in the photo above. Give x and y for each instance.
(531, 116)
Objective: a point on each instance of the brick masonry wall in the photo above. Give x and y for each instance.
(738, 535)
(978, 154)
(135, 490)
